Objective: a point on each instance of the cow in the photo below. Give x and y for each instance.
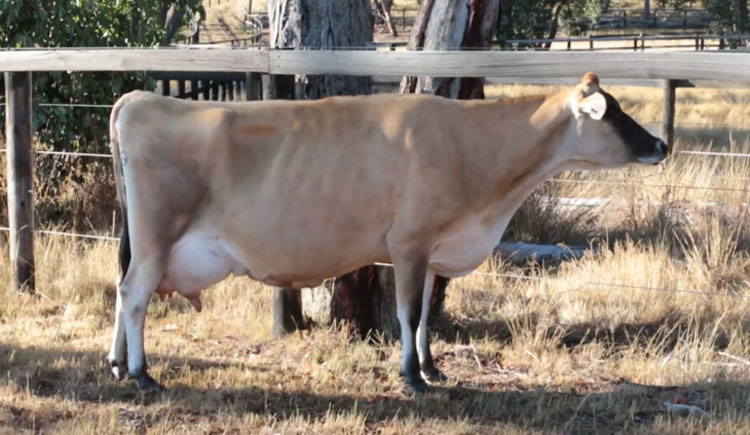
(290, 193)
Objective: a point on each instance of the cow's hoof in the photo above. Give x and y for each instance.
(432, 374)
(416, 388)
(146, 383)
(118, 370)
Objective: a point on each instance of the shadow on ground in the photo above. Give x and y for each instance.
(83, 379)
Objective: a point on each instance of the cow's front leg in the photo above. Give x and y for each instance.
(426, 363)
(410, 272)
(118, 355)
(135, 290)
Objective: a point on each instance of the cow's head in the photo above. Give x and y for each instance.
(606, 136)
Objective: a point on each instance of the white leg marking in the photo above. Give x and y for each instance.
(136, 291)
(423, 345)
(117, 352)
(407, 336)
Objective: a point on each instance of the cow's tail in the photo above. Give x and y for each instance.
(120, 186)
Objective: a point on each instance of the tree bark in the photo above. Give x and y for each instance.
(323, 25)
(172, 20)
(384, 8)
(742, 12)
(553, 24)
(452, 25)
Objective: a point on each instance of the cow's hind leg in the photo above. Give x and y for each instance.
(135, 292)
(410, 272)
(426, 363)
(118, 354)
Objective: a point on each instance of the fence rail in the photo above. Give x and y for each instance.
(731, 66)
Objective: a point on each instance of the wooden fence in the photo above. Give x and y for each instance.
(672, 69)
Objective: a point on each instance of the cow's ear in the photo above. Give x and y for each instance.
(594, 106)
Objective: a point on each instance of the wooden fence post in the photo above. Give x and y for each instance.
(194, 89)
(253, 86)
(667, 112)
(287, 311)
(206, 89)
(278, 87)
(20, 181)
(165, 88)
(287, 303)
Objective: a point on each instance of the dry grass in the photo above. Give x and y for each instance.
(592, 345)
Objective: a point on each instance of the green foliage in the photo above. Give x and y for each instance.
(83, 23)
(675, 4)
(728, 16)
(577, 14)
(529, 19)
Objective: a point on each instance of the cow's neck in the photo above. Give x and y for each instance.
(535, 134)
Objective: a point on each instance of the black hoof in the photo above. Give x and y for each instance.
(416, 388)
(118, 370)
(432, 374)
(145, 382)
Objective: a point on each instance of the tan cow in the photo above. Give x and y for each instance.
(291, 193)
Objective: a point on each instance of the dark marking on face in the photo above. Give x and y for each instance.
(636, 138)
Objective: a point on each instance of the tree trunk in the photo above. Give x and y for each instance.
(553, 24)
(324, 25)
(172, 22)
(383, 7)
(316, 24)
(646, 9)
(742, 15)
(452, 25)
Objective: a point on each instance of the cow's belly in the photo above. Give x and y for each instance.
(462, 251)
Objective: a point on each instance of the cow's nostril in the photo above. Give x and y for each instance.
(662, 146)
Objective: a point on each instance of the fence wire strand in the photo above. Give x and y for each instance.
(589, 285)
(72, 235)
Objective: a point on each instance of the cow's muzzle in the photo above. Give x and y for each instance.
(660, 151)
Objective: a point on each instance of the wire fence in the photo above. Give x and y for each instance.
(580, 285)
(598, 285)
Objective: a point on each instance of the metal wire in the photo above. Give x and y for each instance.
(74, 154)
(90, 106)
(73, 235)
(588, 285)
(660, 186)
(714, 153)
(67, 153)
